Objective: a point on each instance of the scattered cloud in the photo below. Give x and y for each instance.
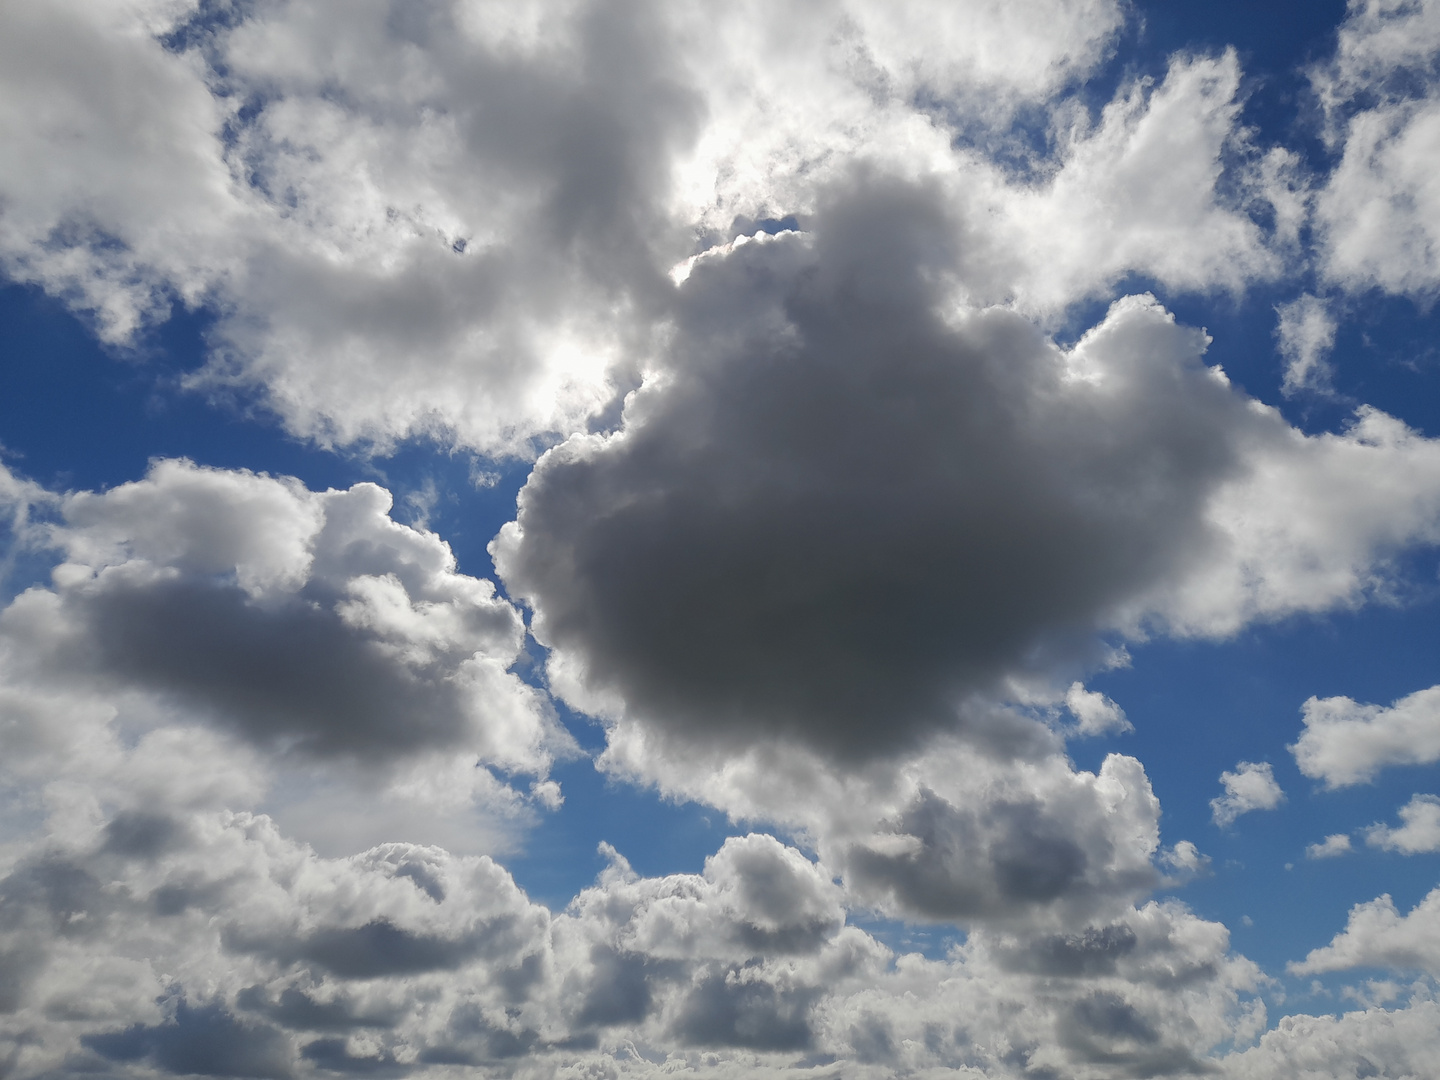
(1419, 833)
(1095, 714)
(1346, 743)
(1250, 787)
(1376, 211)
(1377, 935)
(1333, 845)
(1306, 334)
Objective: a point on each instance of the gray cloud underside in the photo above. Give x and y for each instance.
(839, 514)
(404, 959)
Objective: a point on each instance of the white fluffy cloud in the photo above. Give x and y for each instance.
(1377, 935)
(1420, 831)
(457, 219)
(1377, 210)
(308, 652)
(1373, 1042)
(1333, 845)
(1250, 787)
(1095, 714)
(1345, 742)
(308, 622)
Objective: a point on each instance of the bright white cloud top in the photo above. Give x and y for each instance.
(864, 438)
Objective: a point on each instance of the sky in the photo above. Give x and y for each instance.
(615, 538)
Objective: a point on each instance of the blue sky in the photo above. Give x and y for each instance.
(604, 539)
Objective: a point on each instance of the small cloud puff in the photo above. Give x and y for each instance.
(1095, 713)
(1250, 787)
(1330, 847)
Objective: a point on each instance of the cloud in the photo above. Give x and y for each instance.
(1306, 334)
(1377, 210)
(839, 518)
(1055, 843)
(1333, 845)
(310, 623)
(1095, 713)
(386, 257)
(1401, 1042)
(837, 499)
(1250, 787)
(1419, 833)
(1346, 743)
(1377, 935)
(826, 534)
(1313, 523)
(408, 956)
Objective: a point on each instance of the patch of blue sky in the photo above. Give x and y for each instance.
(1199, 708)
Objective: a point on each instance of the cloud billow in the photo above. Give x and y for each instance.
(310, 623)
(837, 510)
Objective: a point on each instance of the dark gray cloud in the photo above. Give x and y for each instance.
(290, 675)
(619, 988)
(842, 507)
(1094, 951)
(201, 1040)
(1006, 859)
(381, 949)
(308, 623)
(725, 1010)
(300, 1011)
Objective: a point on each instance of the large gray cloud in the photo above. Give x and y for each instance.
(310, 623)
(206, 942)
(840, 506)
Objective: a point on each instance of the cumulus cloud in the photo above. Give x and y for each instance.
(1333, 845)
(958, 833)
(842, 506)
(839, 518)
(1377, 210)
(1370, 1042)
(1314, 523)
(1346, 743)
(1419, 833)
(459, 221)
(827, 530)
(407, 958)
(1250, 787)
(1056, 842)
(308, 622)
(226, 639)
(1095, 714)
(1377, 935)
